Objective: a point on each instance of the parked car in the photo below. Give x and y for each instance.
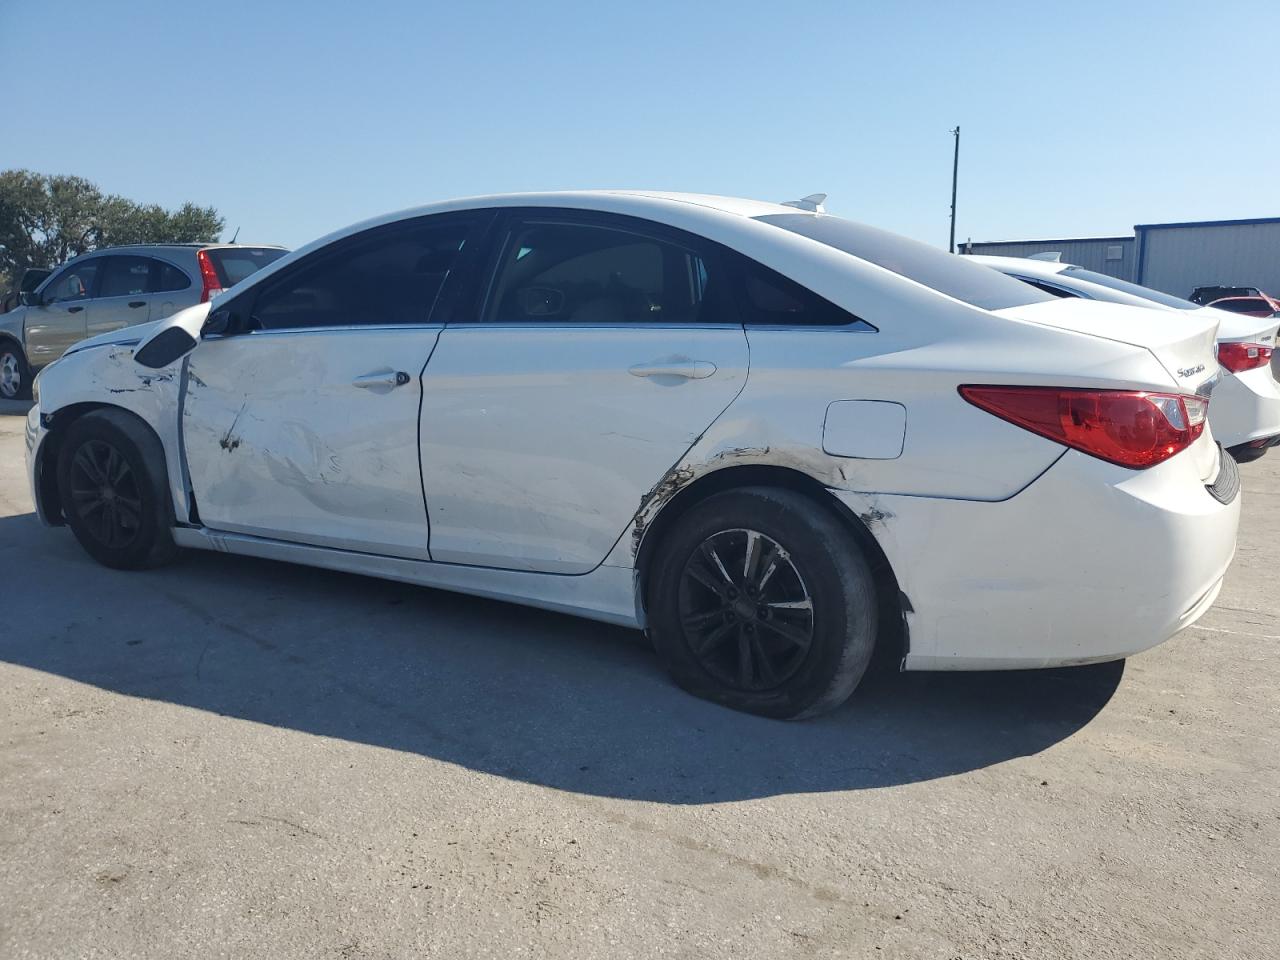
(1207, 295)
(1246, 405)
(1260, 307)
(30, 279)
(771, 437)
(112, 288)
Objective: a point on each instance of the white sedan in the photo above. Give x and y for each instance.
(770, 437)
(1246, 404)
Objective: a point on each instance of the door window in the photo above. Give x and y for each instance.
(388, 276)
(770, 299)
(75, 282)
(587, 274)
(168, 277)
(125, 276)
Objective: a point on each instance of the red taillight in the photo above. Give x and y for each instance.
(208, 276)
(1238, 357)
(1132, 428)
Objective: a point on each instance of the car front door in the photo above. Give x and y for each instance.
(124, 294)
(58, 322)
(301, 422)
(597, 354)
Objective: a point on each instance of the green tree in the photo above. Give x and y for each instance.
(45, 220)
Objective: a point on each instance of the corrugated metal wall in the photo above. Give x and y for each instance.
(1113, 256)
(1177, 258)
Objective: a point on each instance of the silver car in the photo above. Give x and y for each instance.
(111, 288)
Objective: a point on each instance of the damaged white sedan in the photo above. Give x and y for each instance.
(771, 437)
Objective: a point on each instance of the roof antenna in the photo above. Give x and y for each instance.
(234, 235)
(813, 203)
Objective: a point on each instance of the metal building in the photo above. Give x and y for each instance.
(1178, 257)
(1113, 256)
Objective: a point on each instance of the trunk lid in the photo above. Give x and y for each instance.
(1184, 341)
(1241, 328)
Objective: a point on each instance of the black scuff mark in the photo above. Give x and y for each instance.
(875, 515)
(229, 441)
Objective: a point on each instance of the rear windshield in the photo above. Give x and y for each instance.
(1124, 286)
(235, 263)
(1209, 294)
(945, 272)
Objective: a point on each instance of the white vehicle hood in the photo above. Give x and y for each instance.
(125, 335)
(1184, 341)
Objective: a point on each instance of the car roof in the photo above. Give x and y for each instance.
(185, 246)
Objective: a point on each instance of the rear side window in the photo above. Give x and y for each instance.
(169, 277)
(945, 272)
(235, 263)
(125, 276)
(389, 275)
(74, 282)
(770, 299)
(1050, 289)
(583, 273)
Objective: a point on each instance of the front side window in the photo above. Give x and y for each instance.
(75, 282)
(390, 275)
(125, 276)
(581, 273)
(945, 272)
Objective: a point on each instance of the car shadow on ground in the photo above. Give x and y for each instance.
(492, 687)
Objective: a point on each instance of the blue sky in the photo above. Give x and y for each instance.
(1078, 118)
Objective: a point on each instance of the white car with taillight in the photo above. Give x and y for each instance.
(772, 438)
(1246, 404)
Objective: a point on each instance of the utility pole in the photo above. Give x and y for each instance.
(955, 174)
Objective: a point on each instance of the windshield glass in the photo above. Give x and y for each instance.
(945, 272)
(1124, 286)
(235, 263)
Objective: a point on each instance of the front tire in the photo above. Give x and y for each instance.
(760, 599)
(114, 491)
(15, 374)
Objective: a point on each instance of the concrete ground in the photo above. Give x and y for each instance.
(234, 758)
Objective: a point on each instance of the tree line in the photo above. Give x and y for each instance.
(45, 220)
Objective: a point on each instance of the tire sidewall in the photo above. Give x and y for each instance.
(156, 513)
(834, 571)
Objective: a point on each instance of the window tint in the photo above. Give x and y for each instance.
(168, 277)
(74, 282)
(387, 276)
(945, 272)
(125, 276)
(1049, 288)
(1124, 286)
(582, 273)
(772, 299)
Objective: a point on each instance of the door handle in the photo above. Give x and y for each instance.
(686, 369)
(137, 303)
(390, 378)
(74, 309)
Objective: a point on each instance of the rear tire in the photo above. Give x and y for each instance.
(760, 599)
(115, 492)
(15, 375)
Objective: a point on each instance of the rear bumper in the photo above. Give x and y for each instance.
(1245, 407)
(1091, 562)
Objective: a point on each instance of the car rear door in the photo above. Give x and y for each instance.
(301, 423)
(597, 352)
(124, 294)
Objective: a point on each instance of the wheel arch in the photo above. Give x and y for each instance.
(46, 466)
(892, 639)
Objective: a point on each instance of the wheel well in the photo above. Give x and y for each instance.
(892, 637)
(47, 466)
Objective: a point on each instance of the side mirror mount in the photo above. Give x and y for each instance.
(28, 298)
(172, 338)
(217, 323)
